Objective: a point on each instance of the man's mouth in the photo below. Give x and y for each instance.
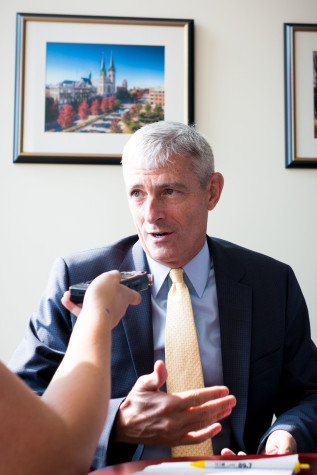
(159, 235)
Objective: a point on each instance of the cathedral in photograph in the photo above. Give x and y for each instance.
(69, 91)
(107, 83)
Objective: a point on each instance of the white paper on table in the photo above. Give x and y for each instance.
(283, 465)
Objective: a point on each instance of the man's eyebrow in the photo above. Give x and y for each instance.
(173, 184)
(136, 185)
(170, 184)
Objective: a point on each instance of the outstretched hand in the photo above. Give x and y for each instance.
(152, 417)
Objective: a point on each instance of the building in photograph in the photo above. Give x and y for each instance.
(157, 96)
(68, 91)
(107, 83)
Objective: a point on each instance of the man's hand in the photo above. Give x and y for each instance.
(75, 308)
(151, 417)
(225, 452)
(279, 442)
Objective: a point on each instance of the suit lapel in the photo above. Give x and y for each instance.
(137, 322)
(235, 316)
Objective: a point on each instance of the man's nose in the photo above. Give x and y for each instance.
(153, 210)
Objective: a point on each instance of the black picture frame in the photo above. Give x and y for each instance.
(300, 70)
(32, 144)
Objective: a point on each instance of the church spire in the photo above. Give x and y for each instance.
(112, 71)
(103, 69)
(111, 66)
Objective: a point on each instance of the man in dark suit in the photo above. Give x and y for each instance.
(251, 319)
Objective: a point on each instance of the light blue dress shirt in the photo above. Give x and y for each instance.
(199, 277)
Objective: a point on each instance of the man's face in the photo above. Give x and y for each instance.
(170, 210)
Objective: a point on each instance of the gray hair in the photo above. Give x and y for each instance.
(159, 144)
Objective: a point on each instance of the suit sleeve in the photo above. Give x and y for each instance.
(296, 402)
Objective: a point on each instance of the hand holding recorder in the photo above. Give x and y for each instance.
(136, 280)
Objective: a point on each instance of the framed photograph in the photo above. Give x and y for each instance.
(300, 58)
(84, 84)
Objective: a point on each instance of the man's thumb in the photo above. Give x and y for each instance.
(155, 380)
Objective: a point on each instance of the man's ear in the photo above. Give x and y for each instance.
(214, 186)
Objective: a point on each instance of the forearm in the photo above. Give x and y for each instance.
(82, 400)
(80, 389)
(33, 434)
(59, 432)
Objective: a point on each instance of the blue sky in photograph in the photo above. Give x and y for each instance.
(140, 65)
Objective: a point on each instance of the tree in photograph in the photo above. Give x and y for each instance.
(158, 110)
(111, 102)
(51, 109)
(66, 116)
(137, 94)
(54, 110)
(115, 126)
(95, 107)
(122, 94)
(147, 108)
(83, 110)
(116, 104)
(104, 106)
(148, 116)
(135, 109)
(126, 118)
(134, 126)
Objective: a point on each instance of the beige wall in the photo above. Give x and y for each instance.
(49, 210)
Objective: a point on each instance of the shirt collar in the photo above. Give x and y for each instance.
(196, 271)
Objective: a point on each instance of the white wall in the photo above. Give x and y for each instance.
(49, 210)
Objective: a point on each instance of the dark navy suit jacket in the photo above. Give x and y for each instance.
(269, 360)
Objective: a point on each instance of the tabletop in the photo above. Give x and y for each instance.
(132, 467)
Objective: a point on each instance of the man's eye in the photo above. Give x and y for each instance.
(169, 191)
(135, 193)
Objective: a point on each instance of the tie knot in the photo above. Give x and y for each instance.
(177, 275)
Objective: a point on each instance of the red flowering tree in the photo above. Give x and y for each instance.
(83, 110)
(111, 102)
(95, 107)
(105, 104)
(66, 116)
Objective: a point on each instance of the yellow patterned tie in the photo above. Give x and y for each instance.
(182, 356)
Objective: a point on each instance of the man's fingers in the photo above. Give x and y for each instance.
(71, 306)
(209, 404)
(200, 420)
(195, 409)
(197, 397)
(214, 406)
(225, 452)
(196, 437)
